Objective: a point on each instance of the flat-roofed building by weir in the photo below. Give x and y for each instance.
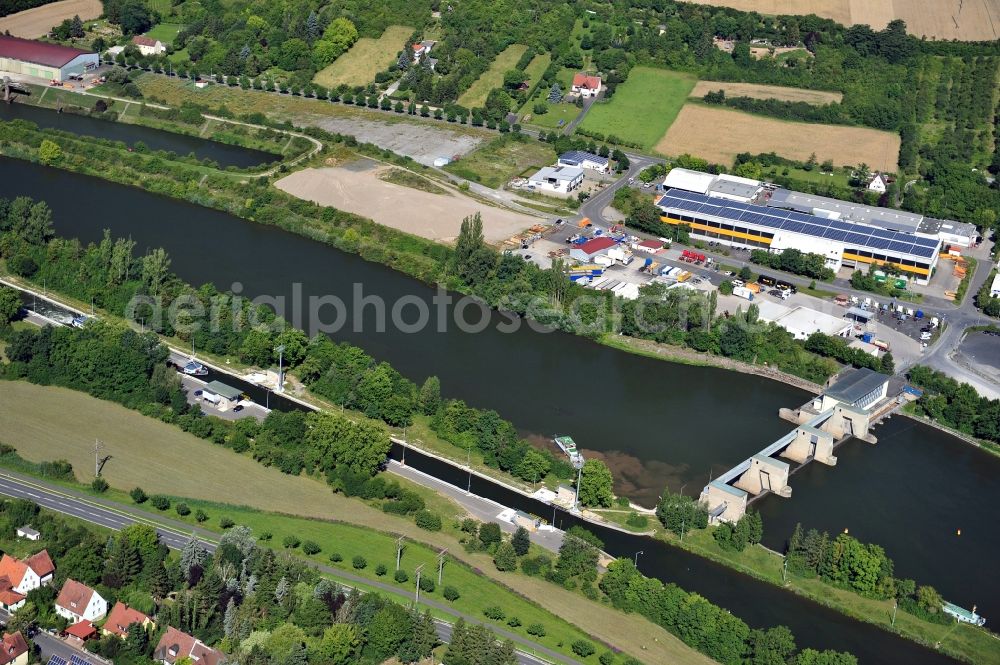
(839, 242)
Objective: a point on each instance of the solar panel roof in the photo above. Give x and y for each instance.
(798, 222)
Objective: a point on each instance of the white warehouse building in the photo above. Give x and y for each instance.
(759, 227)
(558, 179)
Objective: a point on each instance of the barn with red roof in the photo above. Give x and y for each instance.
(30, 57)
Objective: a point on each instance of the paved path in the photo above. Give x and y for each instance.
(175, 534)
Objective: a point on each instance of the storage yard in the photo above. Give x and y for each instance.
(718, 135)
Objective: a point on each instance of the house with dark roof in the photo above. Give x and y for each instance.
(77, 601)
(585, 160)
(175, 645)
(13, 649)
(121, 617)
(30, 57)
(860, 388)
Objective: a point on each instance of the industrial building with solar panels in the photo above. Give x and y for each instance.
(747, 213)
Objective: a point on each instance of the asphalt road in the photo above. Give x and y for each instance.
(175, 534)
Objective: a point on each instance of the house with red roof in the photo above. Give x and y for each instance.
(175, 645)
(121, 617)
(148, 45)
(13, 649)
(30, 57)
(18, 577)
(77, 601)
(420, 49)
(586, 85)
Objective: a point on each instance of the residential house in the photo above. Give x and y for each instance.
(586, 85)
(77, 602)
(121, 617)
(559, 179)
(148, 46)
(23, 576)
(420, 49)
(27, 532)
(585, 160)
(175, 645)
(878, 183)
(14, 650)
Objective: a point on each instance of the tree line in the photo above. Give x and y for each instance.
(956, 405)
(794, 261)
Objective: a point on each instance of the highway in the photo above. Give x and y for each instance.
(176, 534)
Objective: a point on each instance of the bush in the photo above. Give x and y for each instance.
(451, 593)
(359, 562)
(381, 570)
(159, 502)
(401, 576)
(536, 629)
(310, 547)
(99, 485)
(494, 612)
(428, 520)
(336, 557)
(182, 509)
(138, 495)
(606, 658)
(291, 542)
(200, 515)
(636, 520)
(513, 622)
(583, 648)
(226, 523)
(427, 583)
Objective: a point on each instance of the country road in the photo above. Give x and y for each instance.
(176, 534)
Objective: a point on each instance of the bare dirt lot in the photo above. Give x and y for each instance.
(969, 20)
(759, 91)
(36, 22)
(718, 135)
(356, 187)
(423, 142)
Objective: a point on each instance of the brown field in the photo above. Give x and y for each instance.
(970, 20)
(758, 91)
(718, 135)
(37, 21)
(357, 188)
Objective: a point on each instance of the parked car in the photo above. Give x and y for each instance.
(237, 408)
(198, 393)
(925, 335)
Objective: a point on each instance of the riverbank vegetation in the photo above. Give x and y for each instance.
(957, 405)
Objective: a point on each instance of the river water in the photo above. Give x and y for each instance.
(154, 139)
(655, 422)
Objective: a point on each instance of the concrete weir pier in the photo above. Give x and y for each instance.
(848, 407)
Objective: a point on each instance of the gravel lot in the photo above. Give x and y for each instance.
(422, 142)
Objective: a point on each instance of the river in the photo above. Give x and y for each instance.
(154, 139)
(657, 422)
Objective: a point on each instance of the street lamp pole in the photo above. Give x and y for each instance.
(416, 597)
(637, 557)
(895, 604)
(404, 448)
(281, 372)
(468, 465)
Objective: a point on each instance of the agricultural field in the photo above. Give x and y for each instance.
(559, 115)
(165, 32)
(758, 91)
(537, 67)
(643, 107)
(940, 19)
(365, 59)
(503, 158)
(718, 135)
(36, 22)
(492, 77)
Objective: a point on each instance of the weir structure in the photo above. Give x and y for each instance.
(848, 407)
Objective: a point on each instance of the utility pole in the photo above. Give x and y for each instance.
(399, 550)
(281, 372)
(441, 563)
(98, 445)
(416, 596)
